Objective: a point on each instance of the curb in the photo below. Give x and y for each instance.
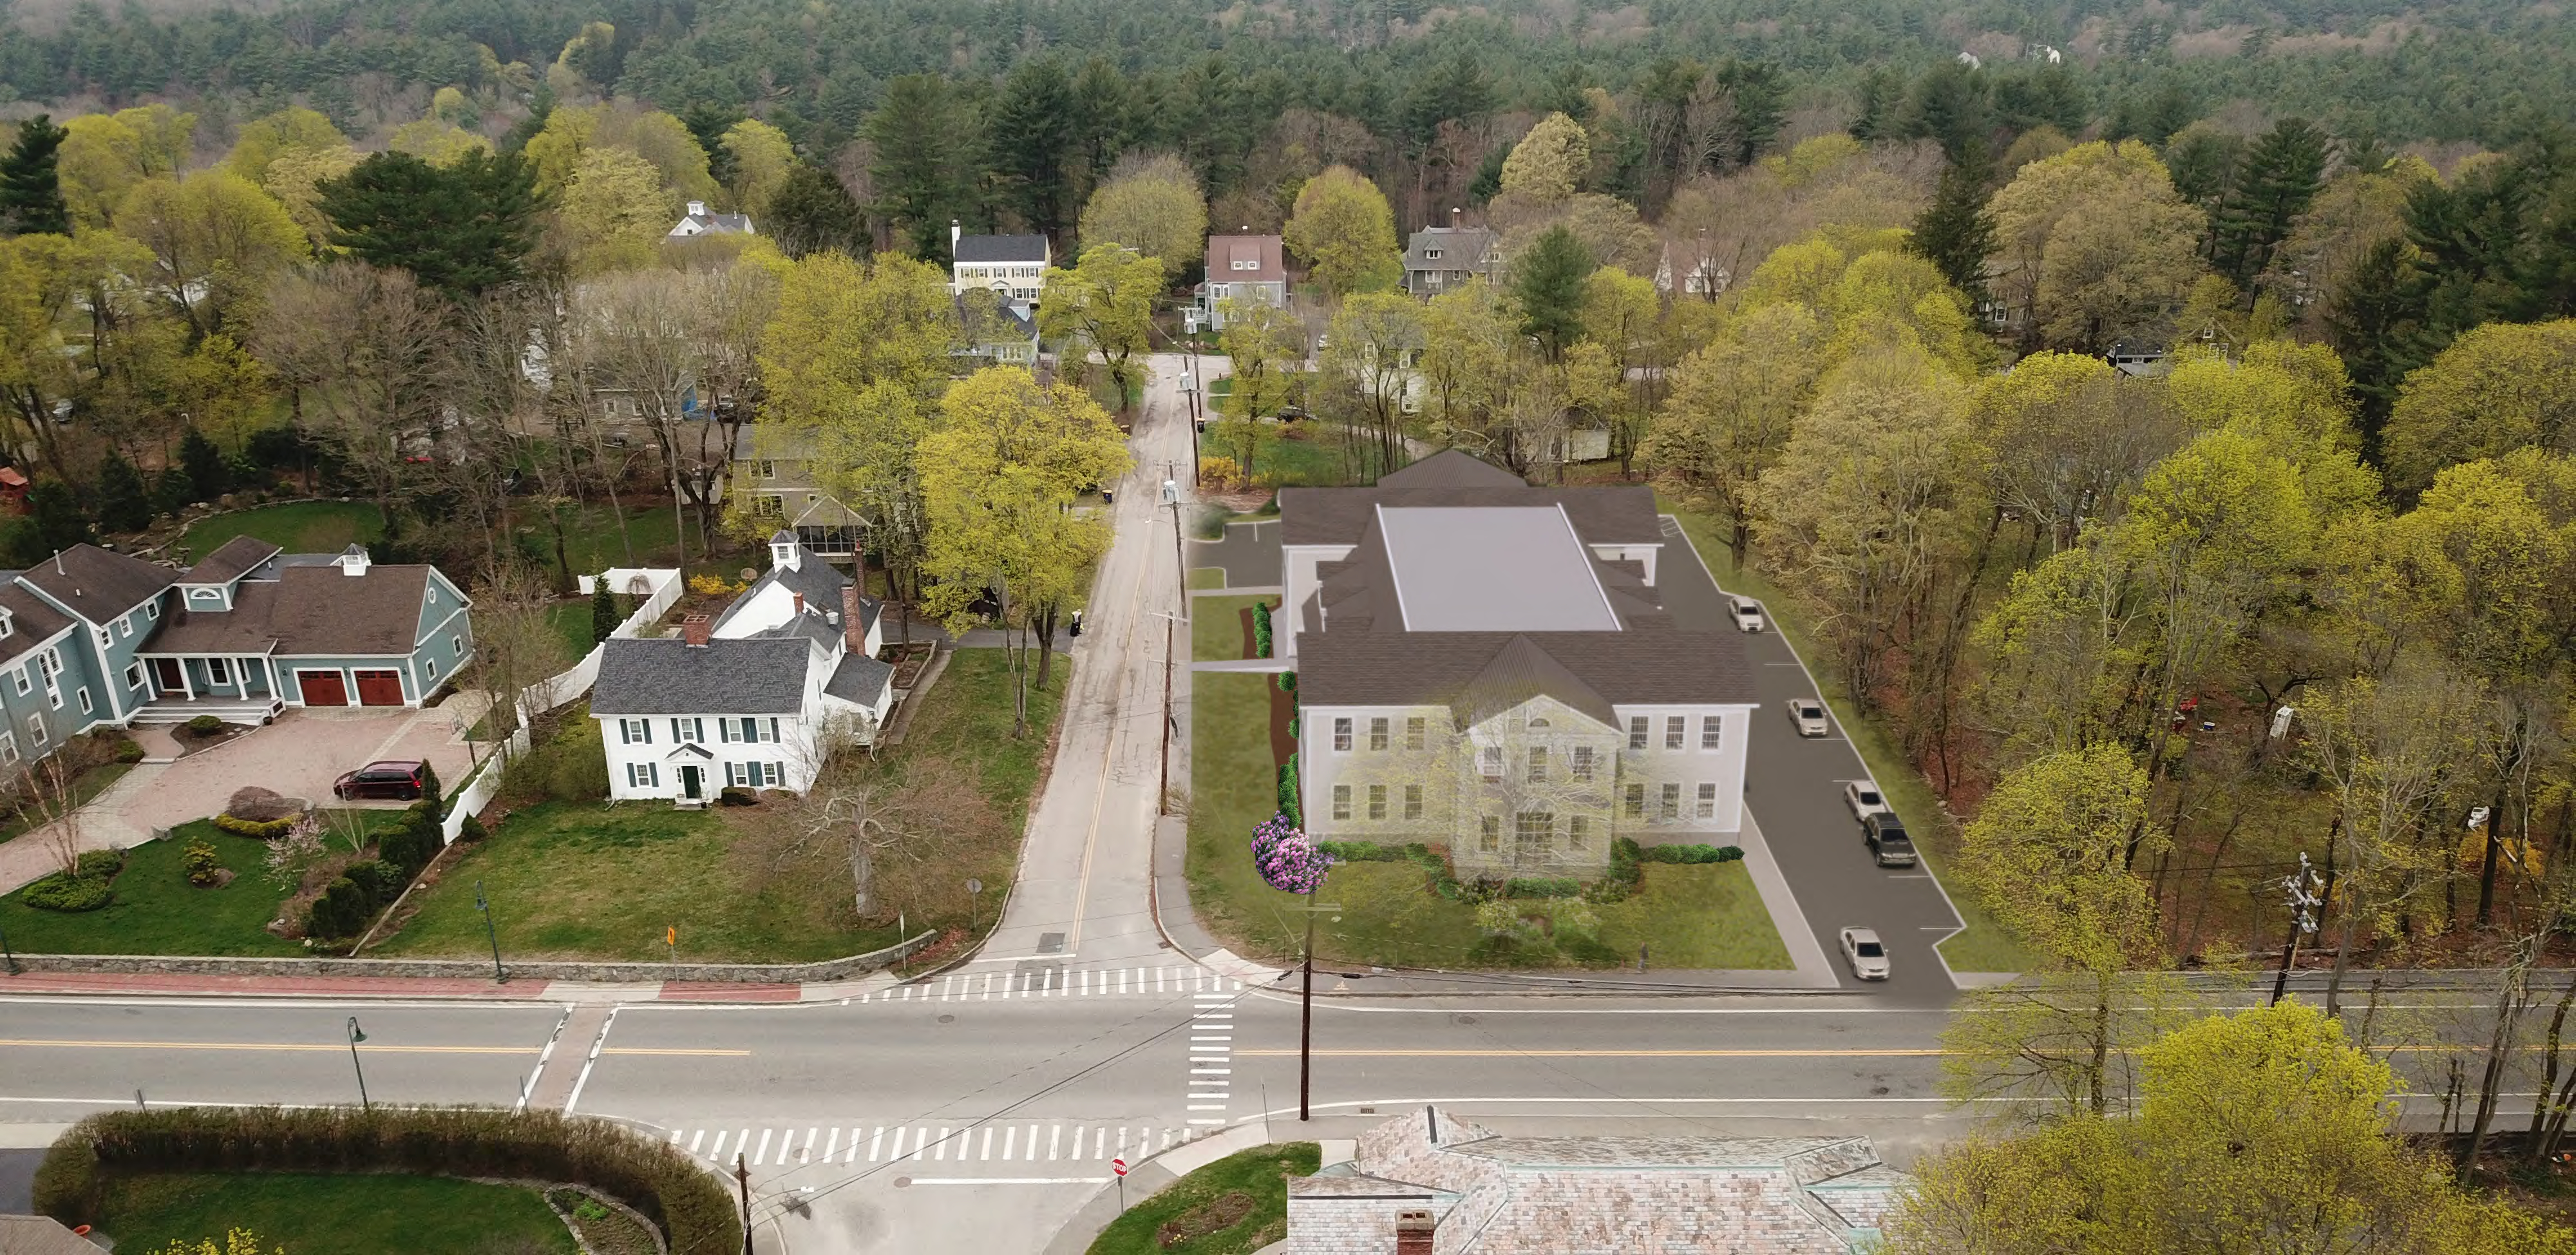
(1157, 1171)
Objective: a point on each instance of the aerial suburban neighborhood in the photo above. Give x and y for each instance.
(1179, 629)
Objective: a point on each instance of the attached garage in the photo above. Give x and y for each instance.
(380, 688)
(322, 688)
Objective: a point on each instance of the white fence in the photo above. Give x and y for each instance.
(659, 586)
(481, 785)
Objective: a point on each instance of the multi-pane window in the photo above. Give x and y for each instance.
(643, 776)
(1634, 803)
(1582, 766)
(635, 731)
(1377, 801)
(1707, 801)
(1493, 760)
(1673, 726)
(1537, 764)
(1341, 801)
(1710, 729)
(1672, 802)
(1342, 734)
(1636, 732)
(1413, 732)
(1377, 733)
(1490, 839)
(1578, 833)
(1413, 801)
(1531, 831)
(219, 671)
(688, 731)
(84, 701)
(8, 748)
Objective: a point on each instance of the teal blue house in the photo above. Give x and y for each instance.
(92, 637)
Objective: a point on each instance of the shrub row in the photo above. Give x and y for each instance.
(1690, 854)
(1542, 887)
(261, 829)
(1363, 852)
(1261, 629)
(689, 1205)
(68, 894)
(1288, 792)
(365, 888)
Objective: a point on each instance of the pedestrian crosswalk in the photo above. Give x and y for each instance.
(1040, 978)
(1211, 1087)
(986, 1141)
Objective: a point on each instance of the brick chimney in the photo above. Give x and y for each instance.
(854, 628)
(697, 629)
(800, 604)
(1413, 1233)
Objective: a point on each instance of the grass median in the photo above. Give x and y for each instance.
(356, 1214)
(1216, 625)
(1234, 1206)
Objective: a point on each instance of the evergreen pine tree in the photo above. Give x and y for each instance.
(203, 464)
(31, 191)
(604, 616)
(1032, 143)
(1547, 283)
(2370, 320)
(461, 229)
(54, 508)
(172, 492)
(2274, 184)
(812, 213)
(1955, 233)
(124, 501)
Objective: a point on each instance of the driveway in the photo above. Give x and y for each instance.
(1248, 553)
(299, 755)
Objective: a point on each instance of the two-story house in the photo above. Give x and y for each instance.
(1013, 265)
(774, 478)
(757, 697)
(1489, 666)
(1441, 259)
(1252, 269)
(699, 221)
(91, 638)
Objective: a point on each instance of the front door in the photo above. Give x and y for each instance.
(380, 688)
(689, 781)
(165, 676)
(322, 688)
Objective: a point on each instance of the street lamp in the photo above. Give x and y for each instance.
(357, 1035)
(499, 977)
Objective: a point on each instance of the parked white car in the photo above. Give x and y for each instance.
(1748, 615)
(1862, 950)
(1809, 716)
(1864, 799)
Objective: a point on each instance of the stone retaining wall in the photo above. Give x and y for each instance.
(470, 969)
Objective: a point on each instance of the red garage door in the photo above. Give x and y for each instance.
(322, 688)
(380, 688)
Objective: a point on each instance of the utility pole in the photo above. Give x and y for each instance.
(742, 1177)
(1163, 794)
(2306, 890)
(1306, 1011)
(1180, 564)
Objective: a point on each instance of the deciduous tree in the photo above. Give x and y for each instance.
(1345, 232)
(2498, 388)
(1104, 305)
(1150, 203)
(217, 240)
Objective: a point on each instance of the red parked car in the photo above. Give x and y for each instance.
(391, 778)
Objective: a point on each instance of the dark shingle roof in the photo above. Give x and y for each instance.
(97, 583)
(665, 676)
(1441, 668)
(307, 610)
(233, 559)
(813, 577)
(31, 620)
(1450, 468)
(995, 248)
(859, 680)
(1461, 248)
(1339, 516)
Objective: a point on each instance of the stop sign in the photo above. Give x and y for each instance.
(1119, 1165)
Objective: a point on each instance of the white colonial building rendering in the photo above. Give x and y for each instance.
(1489, 666)
(1013, 265)
(756, 697)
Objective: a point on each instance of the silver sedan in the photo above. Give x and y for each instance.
(1862, 950)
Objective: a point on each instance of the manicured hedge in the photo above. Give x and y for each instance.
(688, 1204)
(365, 888)
(1690, 854)
(69, 894)
(260, 829)
(1261, 629)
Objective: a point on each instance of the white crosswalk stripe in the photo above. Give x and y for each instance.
(796, 1146)
(1055, 980)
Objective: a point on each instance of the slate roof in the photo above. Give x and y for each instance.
(1617, 515)
(97, 583)
(234, 559)
(860, 680)
(715, 224)
(664, 675)
(813, 577)
(1441, 668)
(307, 610)
(988, 249)
(31, 619)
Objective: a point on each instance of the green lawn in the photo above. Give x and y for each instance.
(157, 911)
(592, 543)
(1706, 916)
(571, 622)
(356, 1214)
(1216, 625)
(1207, 576)
(303, 527)
(602, 881)
(1985, 946)
(1197, 1206)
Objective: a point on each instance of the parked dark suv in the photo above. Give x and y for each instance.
(1888, 843)
(391, 778)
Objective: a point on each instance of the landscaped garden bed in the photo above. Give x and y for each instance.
(1234, 1206)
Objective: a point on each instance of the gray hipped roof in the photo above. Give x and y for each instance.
(987, 249)
(1459, 669)
(665, 675)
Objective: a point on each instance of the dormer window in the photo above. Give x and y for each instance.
(1241, 264)
(1431, 254)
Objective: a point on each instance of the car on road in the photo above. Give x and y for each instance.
(1864, 799)
(1809, 716)
(1885, 835)
(1862, 950)
(394, 778)
(1748, 614)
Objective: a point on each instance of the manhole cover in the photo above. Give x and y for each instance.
(1462, 1019)
(1878, 1091)
(903, 1183)
(1050, 943)
(948, 1019)
(1368, 1111)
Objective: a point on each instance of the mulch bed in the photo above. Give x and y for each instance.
(1283, 722)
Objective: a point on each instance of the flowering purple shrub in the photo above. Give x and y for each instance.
(1287, 860)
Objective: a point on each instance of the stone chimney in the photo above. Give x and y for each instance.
(1413, 1233)
(854, 625)
(697, 629)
